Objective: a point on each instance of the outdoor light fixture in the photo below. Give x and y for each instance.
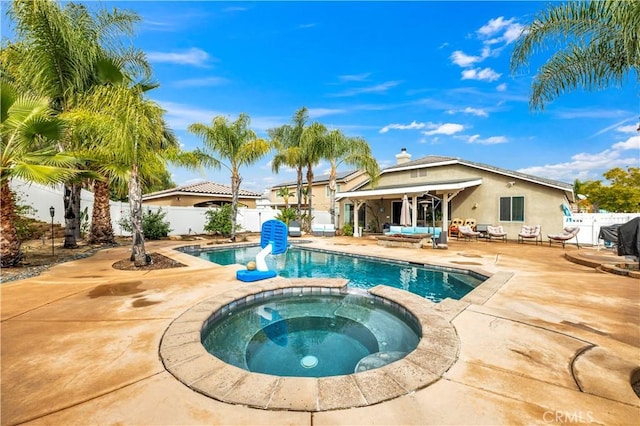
(52, 212)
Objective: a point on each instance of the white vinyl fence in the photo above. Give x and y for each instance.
(182, 220)
(590, 223)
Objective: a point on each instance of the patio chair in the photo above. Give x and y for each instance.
(467, 233)
(294, 229)
(530, 233)
(471, 222)
(329, 230)
(453, 228)
(496, 232)
(567, 233)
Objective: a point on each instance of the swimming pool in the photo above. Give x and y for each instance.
(362, 272)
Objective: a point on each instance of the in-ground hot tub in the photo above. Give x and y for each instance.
(312, 334)
(309, 345)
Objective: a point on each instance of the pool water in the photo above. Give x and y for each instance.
(361, 272)
(312, 336)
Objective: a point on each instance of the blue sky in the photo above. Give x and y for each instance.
(432, 77)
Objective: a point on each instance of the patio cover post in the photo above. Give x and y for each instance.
(356, 229)
(414, 211)
(445, 218)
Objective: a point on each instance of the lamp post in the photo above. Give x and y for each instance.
(52, 212)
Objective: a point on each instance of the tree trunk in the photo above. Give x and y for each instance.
(332, 193)
(235, 190)
(139, 256)
(101, 230)
(299, 190)
(9, 243)
(309, 194)
(71, 215)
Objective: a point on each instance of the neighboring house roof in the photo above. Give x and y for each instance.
(436, 160)
(202, 188)
(340, 177)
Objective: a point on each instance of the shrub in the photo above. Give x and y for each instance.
(287, 214)
(219, 221)
(26, 228)
(347, 230)
(85, 225)
(154, 226)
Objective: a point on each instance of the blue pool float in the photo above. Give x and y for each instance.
(273, 240)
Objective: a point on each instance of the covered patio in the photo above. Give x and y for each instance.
(444, 191)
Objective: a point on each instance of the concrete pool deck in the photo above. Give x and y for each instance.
(557, 343)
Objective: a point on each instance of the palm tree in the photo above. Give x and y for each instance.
(237, 144)
(287, 140)
(65, 52)
(312, 145)
(354, 151)
(129, 128)
(27, 126)
(285, 193)
(595, 45)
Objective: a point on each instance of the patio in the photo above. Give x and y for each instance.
(557, 343)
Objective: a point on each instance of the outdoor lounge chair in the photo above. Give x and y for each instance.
(496, 232)
(471, 222)
(467, 233)
(294, 229)
(453, 228)
(530, 233)
(567, 233)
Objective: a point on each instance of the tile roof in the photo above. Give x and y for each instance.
(432, 160)
(206, 188)
(340, 176)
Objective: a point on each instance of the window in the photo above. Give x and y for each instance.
(327, 191)
(511, 209)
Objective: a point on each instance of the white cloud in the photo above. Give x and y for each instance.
(444, 129)
(485, 74)
(377, 88)
(501, 87)
(627, 129)
(305, 26)
(470, 110)
(493, 140)
(495, 35)
(591, 113)
(499, 30)
(354, 77)
(193, 56)
(588, 166)
(462, 59)
(413, 125)
(180, 116)
(632, 143)
(321, 112)
(201, 82)
(493, 27)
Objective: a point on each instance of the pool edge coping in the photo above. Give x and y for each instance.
(184, 356)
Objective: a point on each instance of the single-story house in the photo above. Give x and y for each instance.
(201, 194)
(459, 189)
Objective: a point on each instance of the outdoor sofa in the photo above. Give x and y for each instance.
(323, 230)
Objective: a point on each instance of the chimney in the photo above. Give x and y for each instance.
(403, 157)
